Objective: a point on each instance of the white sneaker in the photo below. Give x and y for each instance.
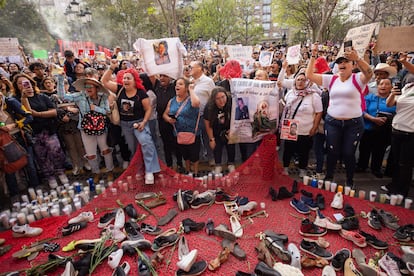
(125, 165)
(119, 219)
(69, 270)
(52, 183)
(149, 178)
(302, 173)
(84, 216)
(231, 168)
(188, 260)
(295, 255)
(26, 231)
(63, 178)
(285, 171)
(115, 258)
(251, 205)
(338, 201)
(328, 270)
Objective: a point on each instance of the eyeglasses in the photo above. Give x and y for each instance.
(87, 86)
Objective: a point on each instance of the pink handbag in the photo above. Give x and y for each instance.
(186, 138)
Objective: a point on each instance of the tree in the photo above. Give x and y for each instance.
(32, 32)
(214, 19)
(389, 13)
(313, 14)
(249, 29)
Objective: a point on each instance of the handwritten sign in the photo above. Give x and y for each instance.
(360, 36)
(9, 46)
(397, 39)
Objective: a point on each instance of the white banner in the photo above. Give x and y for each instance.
(162, 56)
(255, 110)
(243, 54)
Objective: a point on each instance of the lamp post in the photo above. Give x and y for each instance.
(78, 19)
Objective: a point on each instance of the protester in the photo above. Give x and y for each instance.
(135, 111)
(217, 115)
(48, 151)
(183, 112)
(344, 124)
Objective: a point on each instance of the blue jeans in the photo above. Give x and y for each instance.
(342, 138)
(149, 152)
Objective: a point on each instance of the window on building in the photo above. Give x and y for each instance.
(266, 26)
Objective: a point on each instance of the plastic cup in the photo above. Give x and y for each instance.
(383, 198)
(327, 185)
(400, 199)
(21, 218)
(306, 180)
(352, 193)
(340, 189)
(30, 218)
(372, 196)
(407, 203)
(393, 199)
(333, 187)
(347, 190)
(361, 194)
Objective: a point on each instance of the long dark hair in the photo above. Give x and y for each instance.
(17, 92)
(213, 109)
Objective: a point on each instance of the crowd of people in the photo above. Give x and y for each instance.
(337, 104)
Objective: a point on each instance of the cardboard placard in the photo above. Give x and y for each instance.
(360, 36)
(9, 46)
(396, 39)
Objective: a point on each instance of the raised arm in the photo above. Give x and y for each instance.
(362, 65)
(310, 74)
(106, 80)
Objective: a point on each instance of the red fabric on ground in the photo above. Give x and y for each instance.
(260, 172)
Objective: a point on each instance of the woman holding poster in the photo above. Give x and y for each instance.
(344, 123)
(300, 121)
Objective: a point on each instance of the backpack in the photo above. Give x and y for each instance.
(93, 123)
(362, 93)
(13, 156)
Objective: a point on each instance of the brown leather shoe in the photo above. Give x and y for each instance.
(264, 253)
(310, 261)
(221, 258)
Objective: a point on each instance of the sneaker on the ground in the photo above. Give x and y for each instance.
(299, 206)
(350, 223)
(339, 259)
(276, 246)
(389, 220)
(320, 201)
(106, 219)
(338, 201)
(149, 178)
(26, 231)
(402, 264)
(202, 200)
(404, 233)
(309, 202)
(84, 216)
(314, 249)
(74, 227)
(308, 228)
(284, 193)
(389, 265)
(373, 241)
(119, 218)
(326, 222)
(374, 220)
(353, 236)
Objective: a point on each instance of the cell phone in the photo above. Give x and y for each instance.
(398, 84)
(172, 116)
(348, 45)
(26, 84)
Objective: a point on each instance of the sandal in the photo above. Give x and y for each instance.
(221, 258)
(264, 253)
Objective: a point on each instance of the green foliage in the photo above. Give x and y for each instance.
(19, 18)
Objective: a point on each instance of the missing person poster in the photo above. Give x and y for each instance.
(162, 56)
(254, 110)
(289, 130)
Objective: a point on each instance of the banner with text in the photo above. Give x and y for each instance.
(9, 50)
(243, 54)
(255, 110)
(360, 37)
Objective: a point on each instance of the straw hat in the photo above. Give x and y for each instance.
(386, 68)
(80, 84)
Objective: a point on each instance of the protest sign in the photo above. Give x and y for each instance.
(9, 46)
(162, 56)
(293, 54)
(266, 58)
(255, 110)
(396, 39)
(243, 54)
(40, 54)
(289, 129)
(360, 37)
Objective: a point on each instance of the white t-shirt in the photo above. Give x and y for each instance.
(344, 97)
(202, 88)
(404, 116)
(311, 104)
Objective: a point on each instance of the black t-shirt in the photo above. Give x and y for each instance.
(221, 122)
(41, 102)
(130, 109)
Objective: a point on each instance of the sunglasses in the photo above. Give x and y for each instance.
(87, 86)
